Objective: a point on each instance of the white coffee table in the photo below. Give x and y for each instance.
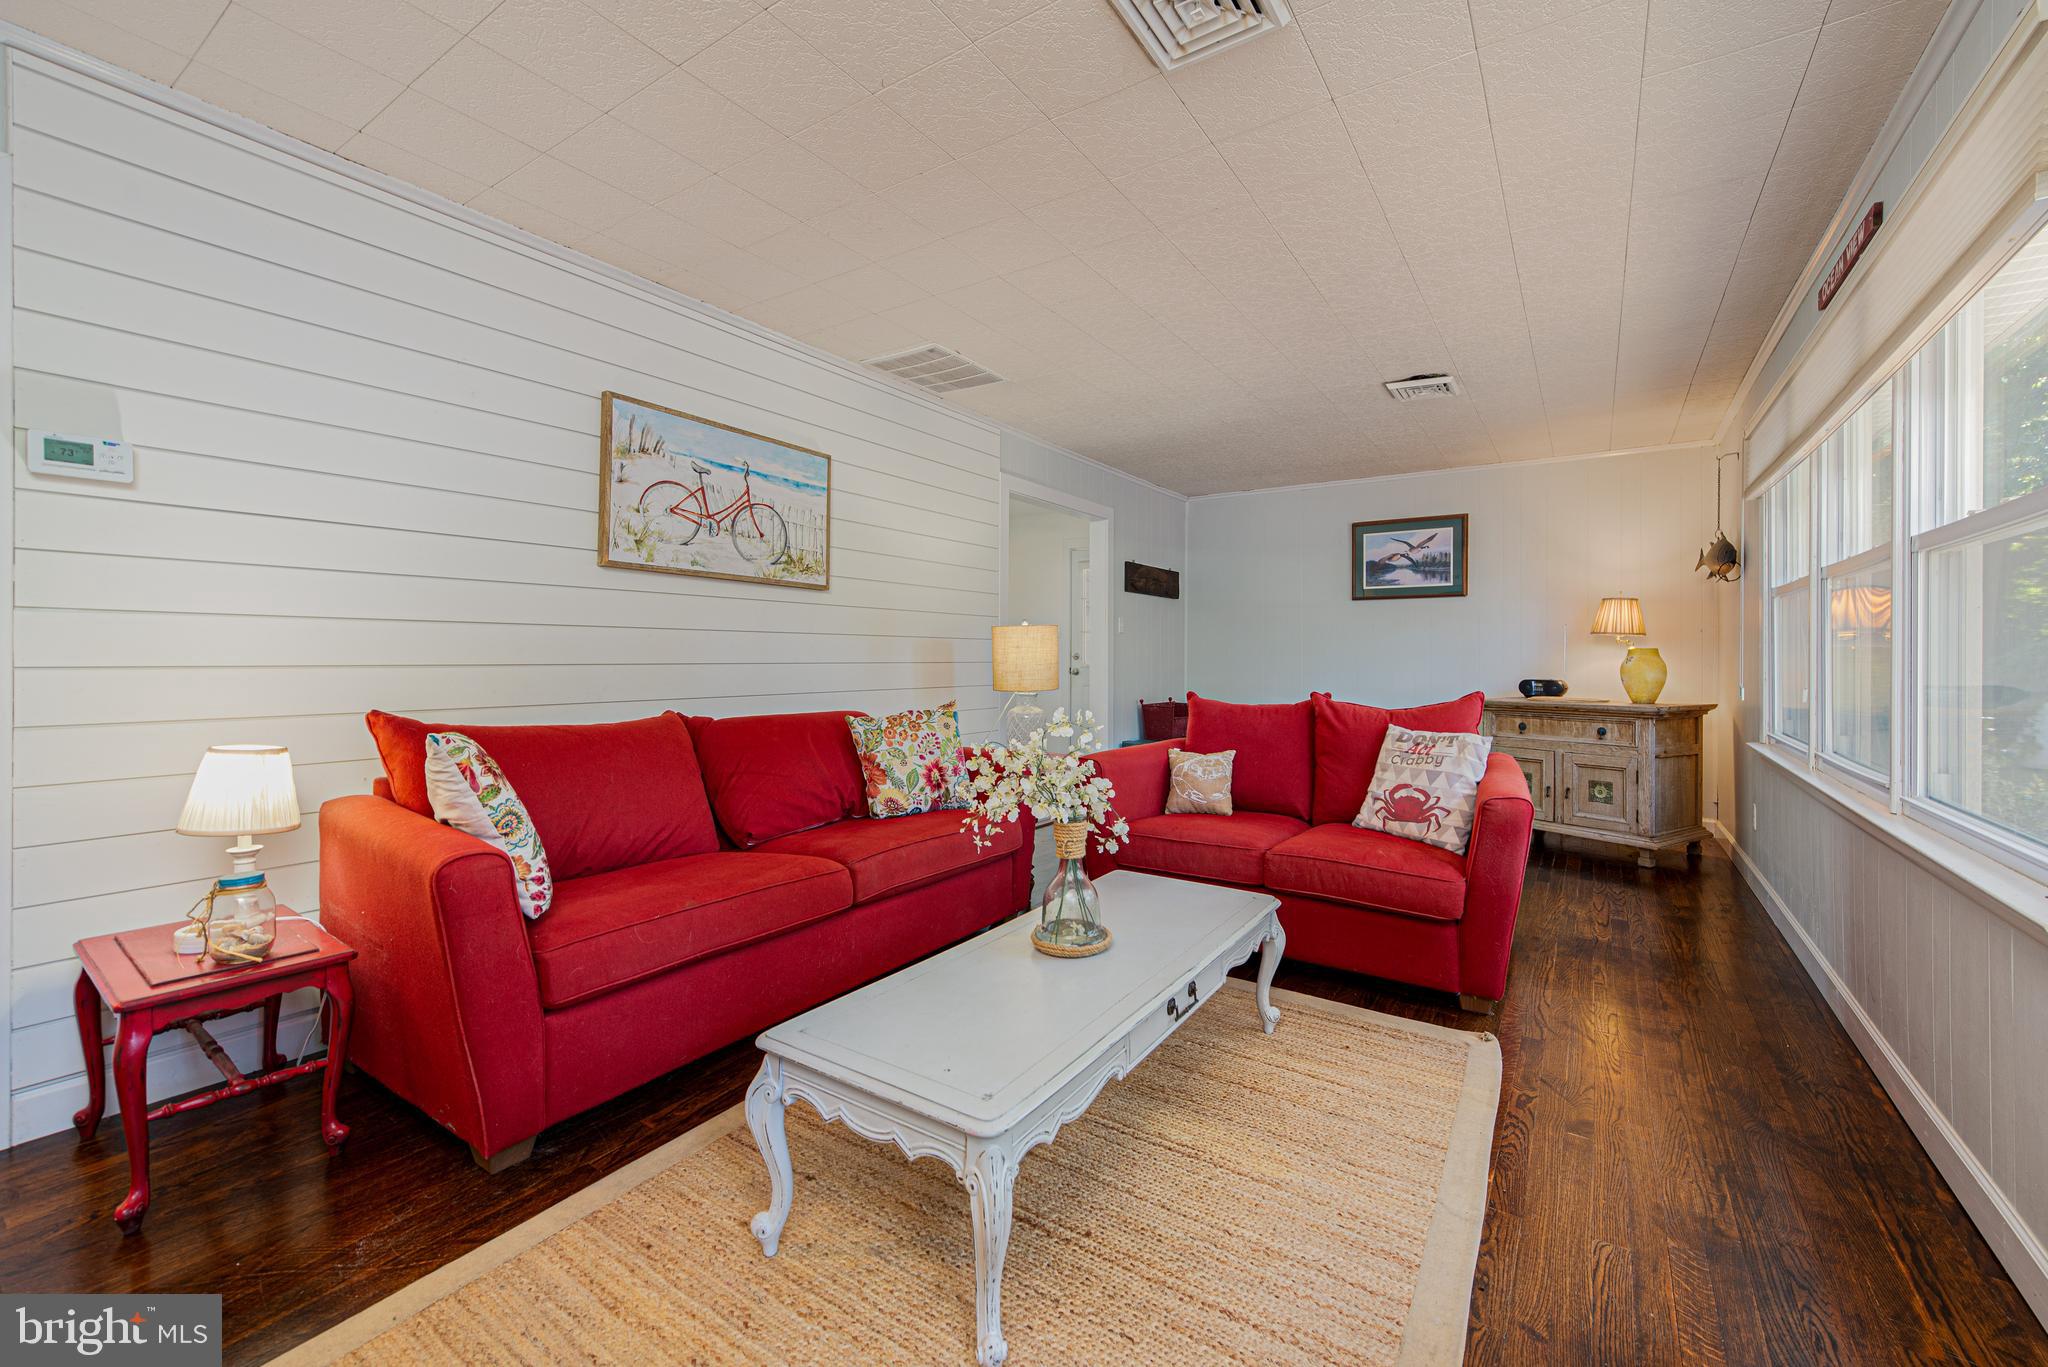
(978, 1055)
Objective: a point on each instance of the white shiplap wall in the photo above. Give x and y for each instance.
(366, 437)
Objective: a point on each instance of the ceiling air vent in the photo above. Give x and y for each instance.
(1177, 32)
(1423, 387)
(936, 368)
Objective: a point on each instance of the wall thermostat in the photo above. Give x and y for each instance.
(53, 453)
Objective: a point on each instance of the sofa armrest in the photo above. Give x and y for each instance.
(1496, 861)
(449, 1012)
(1138, 774)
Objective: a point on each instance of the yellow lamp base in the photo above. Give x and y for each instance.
(1643, 674)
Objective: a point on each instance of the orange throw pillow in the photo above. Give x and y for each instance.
(1199, 784)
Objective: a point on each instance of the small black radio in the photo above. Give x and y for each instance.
(1542, 688)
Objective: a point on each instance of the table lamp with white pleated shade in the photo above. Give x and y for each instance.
(243, 791)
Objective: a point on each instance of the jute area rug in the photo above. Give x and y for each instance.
(1310, 1197)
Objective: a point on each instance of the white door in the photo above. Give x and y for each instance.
(1078, 643)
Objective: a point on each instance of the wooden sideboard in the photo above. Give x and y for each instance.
(1626, 773)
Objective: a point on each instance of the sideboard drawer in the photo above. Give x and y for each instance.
(1578, 730)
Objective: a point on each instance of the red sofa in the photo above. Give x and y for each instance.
(712, 877)
(1349, 898)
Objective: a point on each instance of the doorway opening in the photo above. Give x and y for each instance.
(1056, 570)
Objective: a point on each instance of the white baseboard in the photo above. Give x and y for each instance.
(2002, 1226)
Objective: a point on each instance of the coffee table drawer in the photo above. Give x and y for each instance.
(1165, 1018)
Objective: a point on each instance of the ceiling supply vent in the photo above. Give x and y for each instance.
(1423, 387)
(1177, 32)
(937, 368)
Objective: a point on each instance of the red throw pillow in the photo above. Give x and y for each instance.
(1275, 753)
(604, 796)
(1348, 739)
(777, 775)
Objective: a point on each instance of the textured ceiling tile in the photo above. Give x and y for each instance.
(774, 75)
(576, 195)
(1447, 100)
(388, 36)
(1254, 84)
(793, 179)
(1089, 217)
(447, 137)
(681, 112)
(872, 228)
(1313, 145)
(939, 267)
(1133, 128)
(1069, 53)
(1756, 82)
(1010, 243)
(1034, 166)
(180, 25)
(1595, 51)
(503, 95)
(979, 18)
(1362, 45)
(1678, 156)
(865, 338)
(874, 144)
(103, 37)
(877, 42)
(677, 29)
(410, 167)
(532, 217)
(573, 46)
(805, 309)
(948, 200)
(876, 288)
(232, 92)
(458, 14)
(1875, 48)
(963, 103)
(665, 237)
(743, 276)
(1495, 20)
(1195, 184)
(252, 49)
(626, 158)
(1682, 34)
(722, 208)
(809, 255)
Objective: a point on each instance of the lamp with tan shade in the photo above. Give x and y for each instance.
(242, 791)
(1642, 669)
(1026, 662)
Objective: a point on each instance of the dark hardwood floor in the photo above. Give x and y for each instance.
(1692, 1164)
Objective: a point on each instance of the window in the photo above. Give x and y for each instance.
(1921, 522)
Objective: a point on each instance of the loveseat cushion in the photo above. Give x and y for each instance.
(603, 797)
(1348, 740)
(1223, 849)
(611, 929)
(894, 854)
(773, 775)
(1341, 863)
(1275, 766)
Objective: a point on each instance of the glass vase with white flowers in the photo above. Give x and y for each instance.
(1050, 775)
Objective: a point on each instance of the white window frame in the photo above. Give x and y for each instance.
(1774, 594)
(1821, 718)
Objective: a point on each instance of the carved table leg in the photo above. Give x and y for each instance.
(340, 1009)
(131, 1085)
(765, 1105)
(991, 1181)
(1269, 963)
(85, 1003)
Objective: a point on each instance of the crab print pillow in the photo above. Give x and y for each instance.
(1426, 786)
(1198, 784)
(910, 761)
(472, 794)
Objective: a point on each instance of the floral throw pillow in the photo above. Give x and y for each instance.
(1199, 784)
(1426, 786)
(910, 761)
(472, 794)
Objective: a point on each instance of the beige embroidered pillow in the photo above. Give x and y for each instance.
(1426, 786)
(1199, 783)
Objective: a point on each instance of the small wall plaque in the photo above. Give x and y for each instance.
(1151, 580)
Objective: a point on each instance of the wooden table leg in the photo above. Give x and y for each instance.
(340, 1006)
(131, 1085)
(85, 1003)
(272, 1009)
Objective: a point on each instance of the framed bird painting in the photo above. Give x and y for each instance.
(1409, 557)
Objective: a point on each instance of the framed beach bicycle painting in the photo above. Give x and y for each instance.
(1409, 557)
(685, 495)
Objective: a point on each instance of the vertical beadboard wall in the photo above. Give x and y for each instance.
(1148, 525)
(366, 438)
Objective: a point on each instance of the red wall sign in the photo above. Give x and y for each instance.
(1852, 252)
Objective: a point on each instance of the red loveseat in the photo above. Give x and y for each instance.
(712, 877)
(1349, 898)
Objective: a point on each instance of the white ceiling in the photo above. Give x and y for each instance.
(1590, 212)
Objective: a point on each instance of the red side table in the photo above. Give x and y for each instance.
(151, 989)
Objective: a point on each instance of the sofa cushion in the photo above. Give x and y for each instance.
(1223, 849)
(611, 929)
(897, 853)
(1275, 768)
(771, 776)
(1369, 869)
(603, 797)
(1348, 740)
